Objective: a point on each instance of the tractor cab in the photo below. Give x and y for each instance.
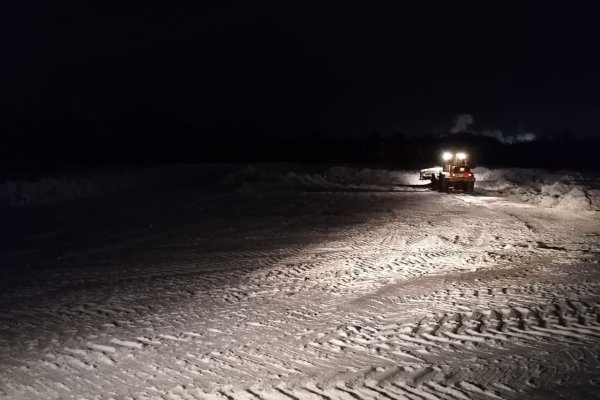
(456, 162)
(456, 173)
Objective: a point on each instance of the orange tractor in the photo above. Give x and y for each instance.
(455, 173)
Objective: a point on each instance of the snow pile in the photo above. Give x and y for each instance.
(290, 177)
(566, 190)
(50, 190)
(372, 176)
(344, 176)
(64, 188)
(253, 176)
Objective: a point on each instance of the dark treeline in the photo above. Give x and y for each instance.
(41, 148)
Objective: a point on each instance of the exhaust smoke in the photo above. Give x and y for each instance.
(463, 121)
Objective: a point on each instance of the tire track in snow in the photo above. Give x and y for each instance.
(374, 349)
(276, 325)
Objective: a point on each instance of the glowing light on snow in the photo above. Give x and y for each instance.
(461, 156)
(446, 156)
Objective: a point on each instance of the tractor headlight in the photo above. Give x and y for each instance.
(461, 156)
(446, 156)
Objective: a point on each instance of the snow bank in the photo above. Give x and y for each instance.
(566, 190)
(336, 176)
(50, 190)
(284, 176)
(64, 188)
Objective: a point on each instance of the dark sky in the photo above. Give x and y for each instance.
(292, 67)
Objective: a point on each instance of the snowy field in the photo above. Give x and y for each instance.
(268, 282)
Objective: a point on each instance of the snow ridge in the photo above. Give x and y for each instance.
(567, 190)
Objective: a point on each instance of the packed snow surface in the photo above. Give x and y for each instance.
(263, 282)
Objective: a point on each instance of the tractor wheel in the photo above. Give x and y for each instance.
(470, 186)
(443, 185)
(434, 183)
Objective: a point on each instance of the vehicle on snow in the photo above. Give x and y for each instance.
(455, 173)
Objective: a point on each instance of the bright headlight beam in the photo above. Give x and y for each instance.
(461, 156)
(446, 156)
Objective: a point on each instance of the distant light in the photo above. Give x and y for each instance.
(446, 156)
(461, 156)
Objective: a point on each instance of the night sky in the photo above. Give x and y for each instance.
(289, 68)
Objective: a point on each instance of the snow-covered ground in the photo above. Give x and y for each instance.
(262, 283)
